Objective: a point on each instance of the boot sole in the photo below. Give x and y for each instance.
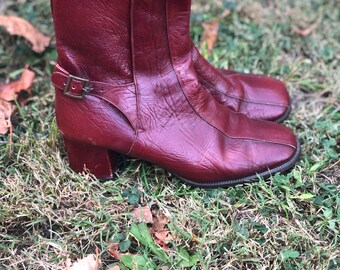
(285, 116)
(249, 179)
(85, 153)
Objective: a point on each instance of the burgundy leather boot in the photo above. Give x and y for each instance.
(125, 83)
(258, 97)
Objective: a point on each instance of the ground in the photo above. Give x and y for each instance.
(49, 213)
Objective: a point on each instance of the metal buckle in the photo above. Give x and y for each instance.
(86, 87)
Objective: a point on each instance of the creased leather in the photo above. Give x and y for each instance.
(258, 97)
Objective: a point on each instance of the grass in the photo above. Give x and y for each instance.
(48, 213)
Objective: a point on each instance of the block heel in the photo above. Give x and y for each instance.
(101, 162)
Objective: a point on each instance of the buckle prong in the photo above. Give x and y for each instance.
(86, 87)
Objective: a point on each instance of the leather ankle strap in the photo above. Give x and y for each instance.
(77, 87)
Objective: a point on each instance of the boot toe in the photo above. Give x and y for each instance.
(269, 94)
(266, 97)
(279, 153)
(250, 159)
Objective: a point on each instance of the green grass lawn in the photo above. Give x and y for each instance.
(48, 213)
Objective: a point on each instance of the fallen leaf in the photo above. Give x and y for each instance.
(310, 29)
(196, 239)
(20, 27)
(8, 93)
(5, 116)
(113, 249)
(210, 32)
(164, 236)
(143, 214)
(11, 90)
(161, 235)
(159, 222)
(91, 262)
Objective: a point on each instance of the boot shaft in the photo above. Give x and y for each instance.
(93, 39)
(129, 41)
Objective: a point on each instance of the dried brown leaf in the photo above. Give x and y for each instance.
(143, 214)
(210, 32)
(91, 262)
(5, 116)
(161, 235)
(9, 92)
(159, 232)
(18, 26)
(113, 249)
(159, 222)
(164, 236)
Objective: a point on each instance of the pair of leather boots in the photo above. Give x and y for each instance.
(129, 80)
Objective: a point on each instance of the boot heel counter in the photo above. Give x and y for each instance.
(93, 121)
